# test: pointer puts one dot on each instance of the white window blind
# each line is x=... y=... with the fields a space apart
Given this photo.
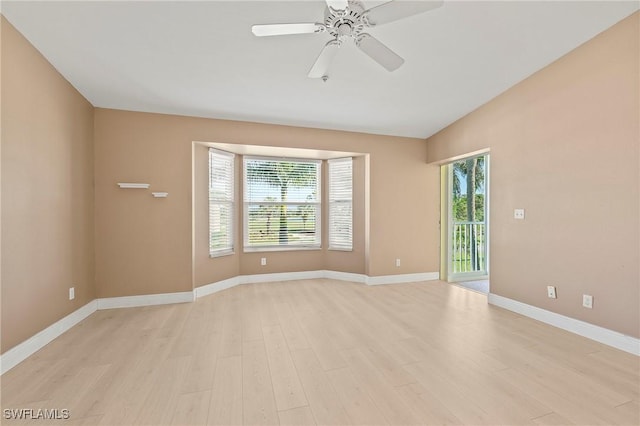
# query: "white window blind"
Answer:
x=221 y=202
x=281 y=203
x=341 y=204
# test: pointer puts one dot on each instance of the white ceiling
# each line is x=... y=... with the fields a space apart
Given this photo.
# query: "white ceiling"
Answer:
x=200 y=58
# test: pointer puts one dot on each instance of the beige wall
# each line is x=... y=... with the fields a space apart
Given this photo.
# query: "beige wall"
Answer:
x=565 y=147
x=144 y=245
x=47 y=192
x=57 y=147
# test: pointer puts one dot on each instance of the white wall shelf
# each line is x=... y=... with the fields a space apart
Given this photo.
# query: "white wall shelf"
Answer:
x=134 y=185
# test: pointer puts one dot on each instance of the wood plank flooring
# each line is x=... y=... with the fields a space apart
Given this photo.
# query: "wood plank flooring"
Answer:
x=325 y=352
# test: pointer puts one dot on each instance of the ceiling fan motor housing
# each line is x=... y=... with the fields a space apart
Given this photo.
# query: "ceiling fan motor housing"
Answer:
x=349 y=22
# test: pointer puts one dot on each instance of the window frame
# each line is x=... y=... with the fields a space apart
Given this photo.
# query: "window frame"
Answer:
x=249 y=248
x=230 y=202
x=331 y=201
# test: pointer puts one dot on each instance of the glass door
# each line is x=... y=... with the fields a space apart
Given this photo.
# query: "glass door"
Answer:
x=467 y=214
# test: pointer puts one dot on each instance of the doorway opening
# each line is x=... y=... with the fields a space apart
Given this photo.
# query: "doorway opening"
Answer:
x=465 y=216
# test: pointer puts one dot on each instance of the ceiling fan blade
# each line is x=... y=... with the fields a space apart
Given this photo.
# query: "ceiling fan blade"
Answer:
x=337 y=4
x=320 y=67
x=395 y=10
x=379 y=52
x=286 y=29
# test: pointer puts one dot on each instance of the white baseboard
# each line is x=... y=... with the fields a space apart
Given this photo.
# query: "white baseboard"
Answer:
x=22 y=351
x=402 y=278
x=345 y=276
x=599 y=334
x=208 y=289
x=145 y=300
x=309 y=275
x=280 y=276
x=211 y=288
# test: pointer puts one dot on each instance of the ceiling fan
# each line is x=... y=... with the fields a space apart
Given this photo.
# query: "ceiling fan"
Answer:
x=348 y=19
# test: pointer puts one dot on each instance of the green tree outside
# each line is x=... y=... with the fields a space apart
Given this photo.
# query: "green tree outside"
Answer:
x=283 y=176
x=470 y=205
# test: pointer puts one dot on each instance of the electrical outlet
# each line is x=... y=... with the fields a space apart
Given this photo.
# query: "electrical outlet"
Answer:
x=551 y=292
x=518 y=214
x=398 y=263
x=263 y=261
x=72 y=293
x=587 y=301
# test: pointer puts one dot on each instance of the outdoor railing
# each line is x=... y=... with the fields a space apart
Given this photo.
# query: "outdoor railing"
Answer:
x=469 y=247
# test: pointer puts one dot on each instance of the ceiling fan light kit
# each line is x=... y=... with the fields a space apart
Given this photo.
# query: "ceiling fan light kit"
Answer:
x=348 y=20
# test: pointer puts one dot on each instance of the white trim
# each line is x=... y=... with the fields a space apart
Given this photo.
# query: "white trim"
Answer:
x=22 y=351
x=281 y=276
x=310 y=275
x=472 y=154
x=403 y=278
x=213 y=156
x=346 y=276
x=217 y=286
x=208 y=289
x=145 y=300
x=248 y=247
x=599 y=334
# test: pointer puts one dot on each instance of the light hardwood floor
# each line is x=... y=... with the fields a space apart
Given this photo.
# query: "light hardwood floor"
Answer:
x=326 y=352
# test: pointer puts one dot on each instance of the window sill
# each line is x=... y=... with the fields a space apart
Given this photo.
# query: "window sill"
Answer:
x=340 y=249
x=273 y=249
x=221 y=254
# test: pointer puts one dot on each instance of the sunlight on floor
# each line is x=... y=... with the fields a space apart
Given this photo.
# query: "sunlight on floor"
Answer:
x=481 y=286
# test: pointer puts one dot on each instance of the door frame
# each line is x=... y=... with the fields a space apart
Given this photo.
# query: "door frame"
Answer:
x=446 y=220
